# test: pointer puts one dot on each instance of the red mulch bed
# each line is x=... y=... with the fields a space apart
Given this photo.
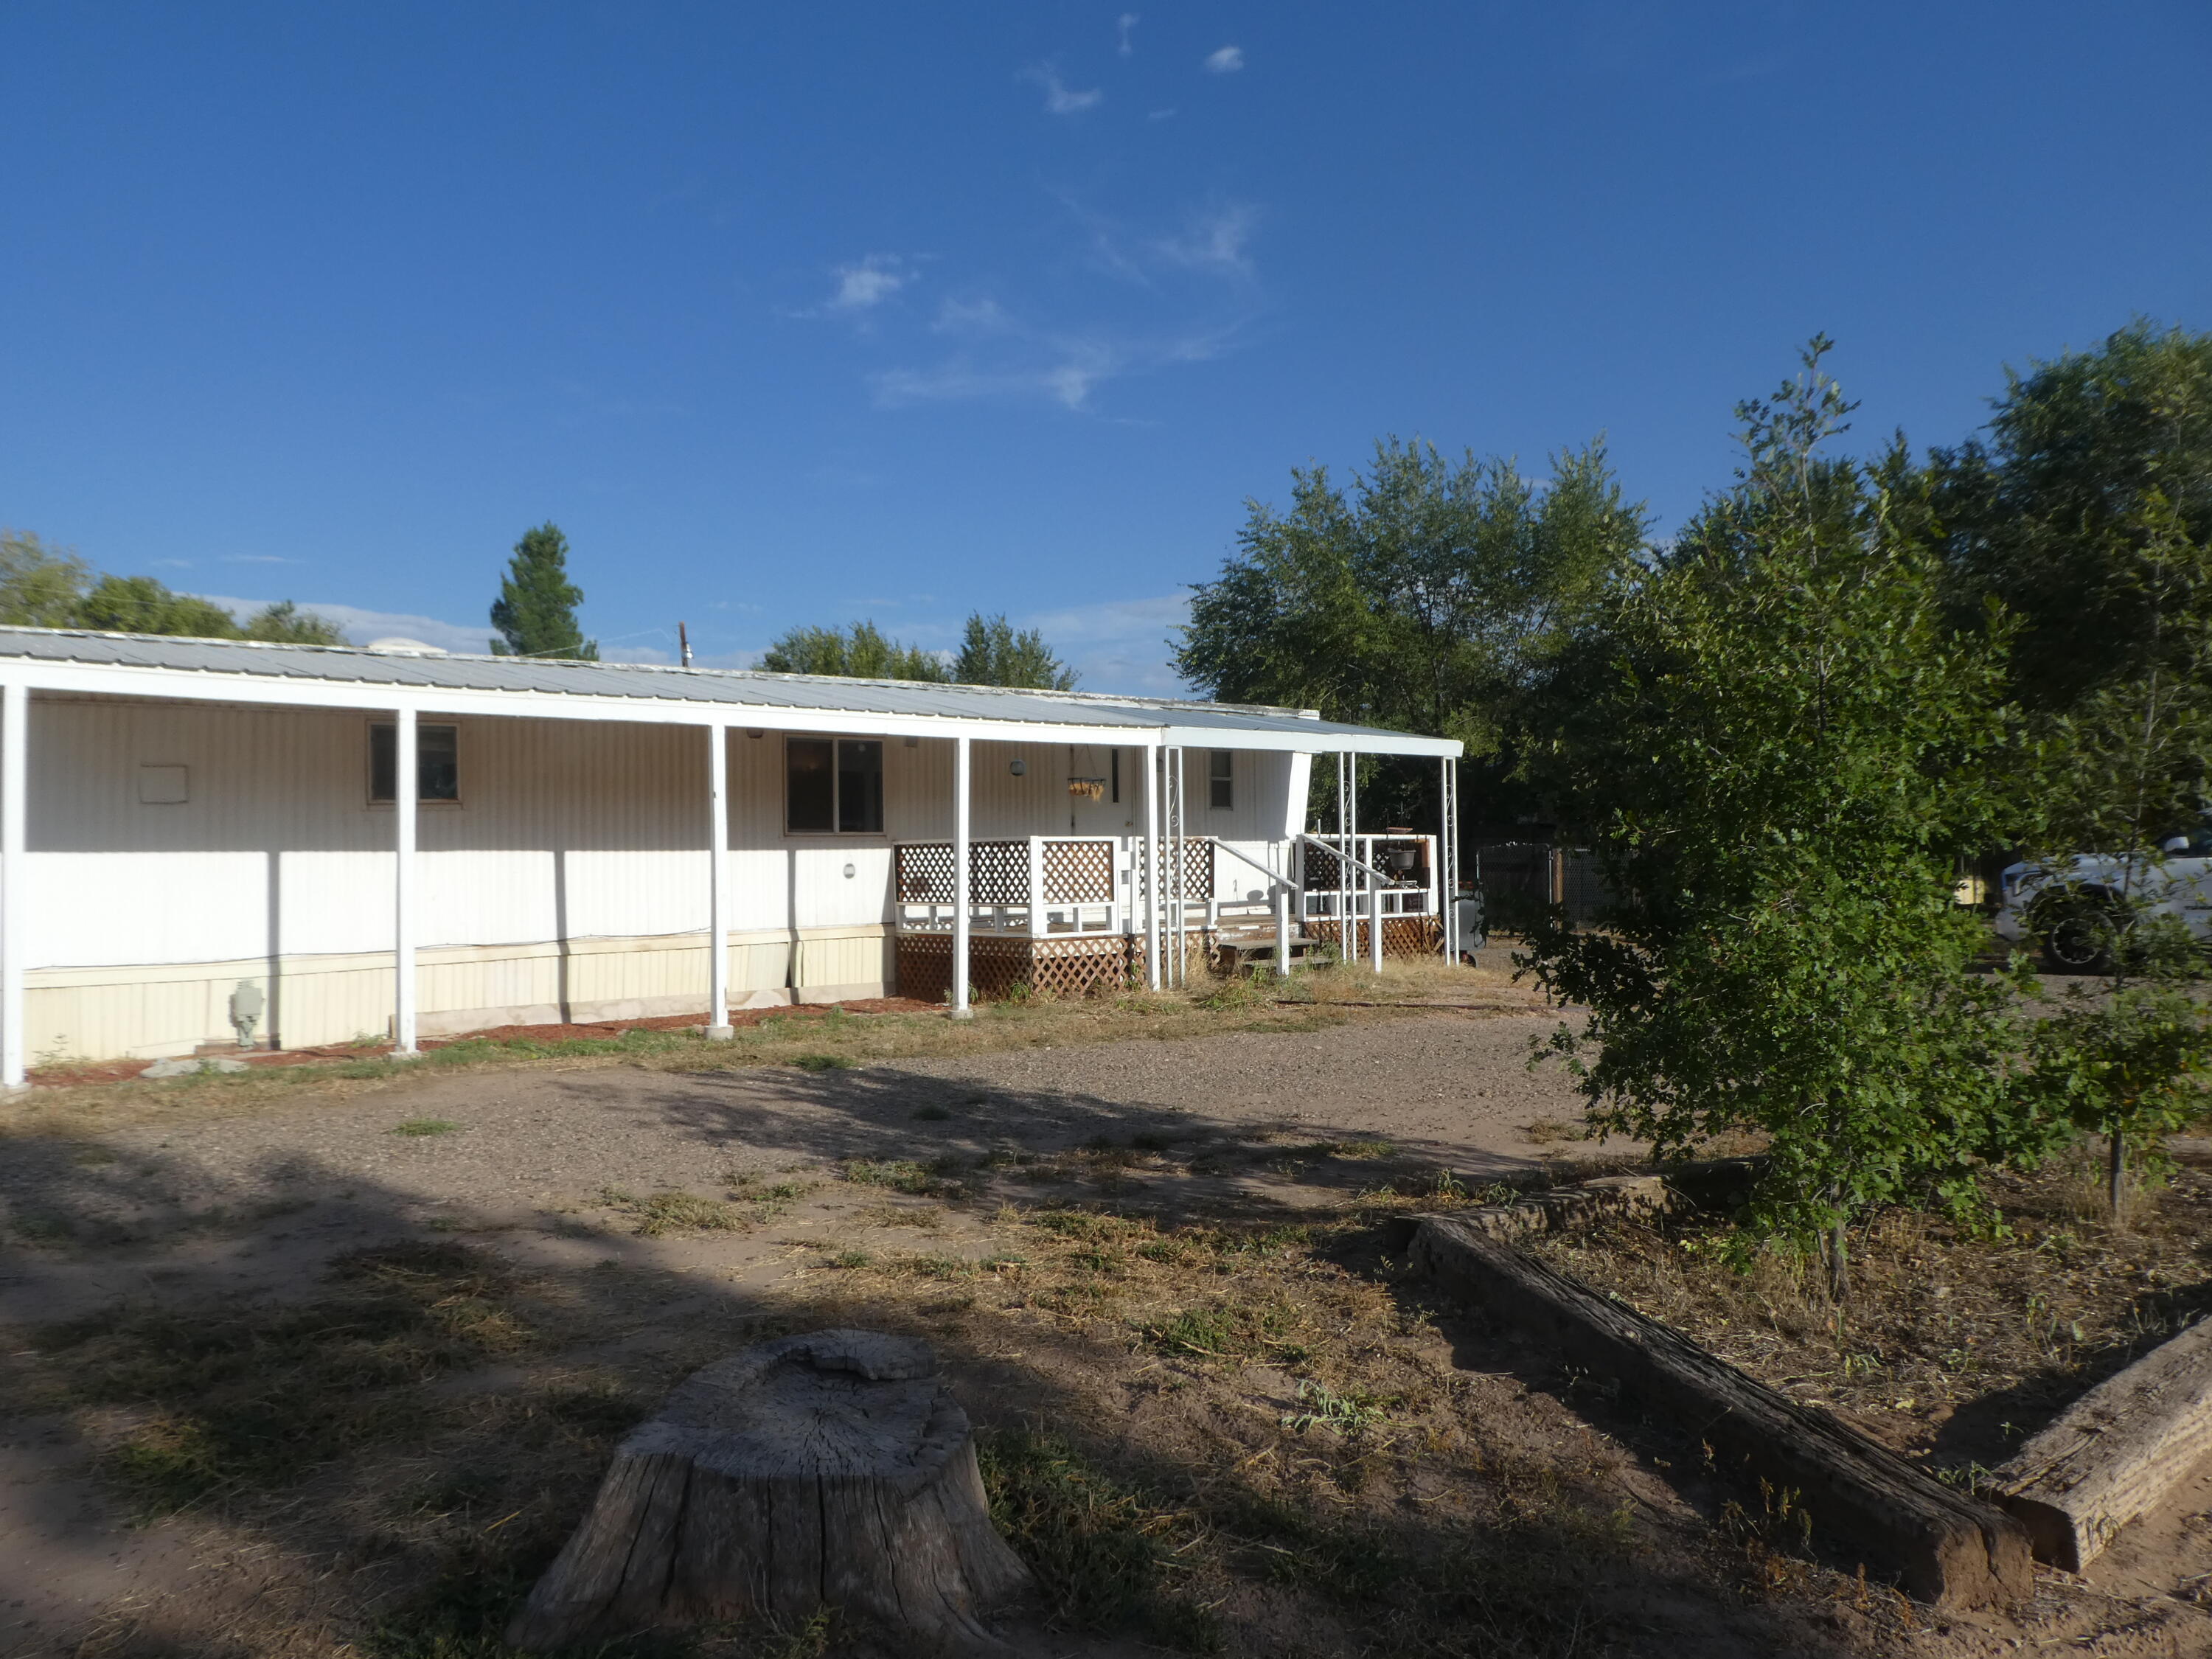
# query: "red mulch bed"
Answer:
x=121 y=1070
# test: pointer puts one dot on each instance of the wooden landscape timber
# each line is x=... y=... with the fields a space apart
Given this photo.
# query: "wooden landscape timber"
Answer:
x=832 y=1469
x=2115 y=1453
x=1865 y=1503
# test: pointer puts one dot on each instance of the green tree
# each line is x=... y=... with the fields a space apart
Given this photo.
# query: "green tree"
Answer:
x=2128 y=1056
x=1429 y=597
x=993 y=654
x=285 y=623
x=1784 y=757
x=861 y=652
x=2048 y=514
x=140 y=605
x=39 y=586
x=536 y=611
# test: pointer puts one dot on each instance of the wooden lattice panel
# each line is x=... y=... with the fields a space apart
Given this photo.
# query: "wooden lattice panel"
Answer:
x=998 y=872
x=1323 y=870
x=1078 y=872
x=924 y=871
x=1049 y=967
x=1402 y=936
x=1189 y=863
x=1079 y=967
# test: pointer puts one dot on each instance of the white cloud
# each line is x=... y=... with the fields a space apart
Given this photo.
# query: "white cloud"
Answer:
x=863 y=287
x=359 y=626
x=984 y=316
x=1214 y=242
x=1126 y=22
x=1118 y=645
x=1059 y=98
x=1226 y=61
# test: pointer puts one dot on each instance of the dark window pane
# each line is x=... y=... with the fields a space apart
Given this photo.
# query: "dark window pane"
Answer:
x=1117 y=776
x=810 y=797
x=437 y=762
x=1221 y=781
x=383 y=761
x=860 y=787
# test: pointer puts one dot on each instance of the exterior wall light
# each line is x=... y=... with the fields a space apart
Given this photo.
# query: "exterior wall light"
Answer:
x=1018 y=767
x=850 y=872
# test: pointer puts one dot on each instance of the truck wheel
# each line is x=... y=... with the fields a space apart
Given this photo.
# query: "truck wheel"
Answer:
x=2078 y=936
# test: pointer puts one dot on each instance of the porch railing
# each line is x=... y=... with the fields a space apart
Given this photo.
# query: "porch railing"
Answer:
x=1042 y=885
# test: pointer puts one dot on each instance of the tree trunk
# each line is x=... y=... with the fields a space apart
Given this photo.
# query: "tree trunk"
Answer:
x=1835 y=1249
x=830 y=1469
x=2115 y=1173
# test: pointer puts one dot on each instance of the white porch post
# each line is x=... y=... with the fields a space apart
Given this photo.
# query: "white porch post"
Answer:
x=1448 y=859
x=718 y=909
x=15 y=728
x=1344 y=923
x=1152 y=867
x=405 y=783
x=960 y=791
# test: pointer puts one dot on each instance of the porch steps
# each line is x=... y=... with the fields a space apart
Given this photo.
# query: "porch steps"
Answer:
x=1243 y=949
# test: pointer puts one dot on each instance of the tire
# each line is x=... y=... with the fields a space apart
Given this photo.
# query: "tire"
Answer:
x=2079 y=932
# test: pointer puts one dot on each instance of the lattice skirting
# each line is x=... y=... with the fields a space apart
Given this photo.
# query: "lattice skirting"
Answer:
x=1402 y=936
x=1049 y=967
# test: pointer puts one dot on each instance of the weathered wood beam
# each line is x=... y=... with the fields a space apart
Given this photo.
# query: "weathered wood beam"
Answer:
x=1943 y=1546
x=2115 y=1453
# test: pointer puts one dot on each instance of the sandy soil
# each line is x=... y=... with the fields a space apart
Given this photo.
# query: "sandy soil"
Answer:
x=531 y=1165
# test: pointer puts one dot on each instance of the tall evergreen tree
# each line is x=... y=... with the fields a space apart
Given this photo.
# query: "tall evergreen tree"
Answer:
x=993 y=654
x=536 y=611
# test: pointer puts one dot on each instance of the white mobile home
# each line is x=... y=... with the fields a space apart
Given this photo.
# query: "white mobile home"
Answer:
x=345 y=843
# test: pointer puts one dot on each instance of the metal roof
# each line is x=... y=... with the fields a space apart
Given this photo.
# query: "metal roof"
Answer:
x=906 y=700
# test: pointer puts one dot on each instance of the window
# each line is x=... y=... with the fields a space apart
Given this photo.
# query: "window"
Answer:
x=1221 y=781
x=437 y=762
x=832 y=786
x=1116 y=770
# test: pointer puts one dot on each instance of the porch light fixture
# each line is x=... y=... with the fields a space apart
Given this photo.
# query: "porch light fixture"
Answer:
x=850 y=872
x=1018 y=767
x=756 y=734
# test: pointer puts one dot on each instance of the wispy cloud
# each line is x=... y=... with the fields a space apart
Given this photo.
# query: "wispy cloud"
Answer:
x=1059 y=98
x=1227 y=60
x=1029 y=364
x=1214 y=240
x=861 y=287
x=1125 y=23
x=362 y=627
x=173 y=564
x=1119 y=645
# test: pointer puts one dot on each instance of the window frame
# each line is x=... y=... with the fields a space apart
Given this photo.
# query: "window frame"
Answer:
x=1221 y=781
x=386 y=804
x=837 y=770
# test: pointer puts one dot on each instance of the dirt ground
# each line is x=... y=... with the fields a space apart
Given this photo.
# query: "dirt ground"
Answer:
x=330 y=1373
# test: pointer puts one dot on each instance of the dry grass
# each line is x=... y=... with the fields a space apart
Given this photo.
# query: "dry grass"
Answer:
x=830 y=1041
x=1953 y=1345
x=1234 y=1437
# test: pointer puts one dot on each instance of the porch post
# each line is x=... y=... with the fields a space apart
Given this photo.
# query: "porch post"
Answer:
x=718 y=852
x=406 y=781
x=1448 y=859
x=1151 y=866
x=15 y=727
x=960 y=789
x=1344 y=926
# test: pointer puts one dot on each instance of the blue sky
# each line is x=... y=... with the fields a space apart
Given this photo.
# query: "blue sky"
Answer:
x=810 y=313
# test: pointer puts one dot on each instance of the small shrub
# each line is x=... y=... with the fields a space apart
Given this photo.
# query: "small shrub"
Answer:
x=425 y=1125
x=672 y=1211
x=822 y=1062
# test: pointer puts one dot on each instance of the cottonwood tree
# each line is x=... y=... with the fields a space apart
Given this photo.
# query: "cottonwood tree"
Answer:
x=861 y=652
x=993 y=654
x=1782 y=753
x=2129 y=1055
x=47 y=587
x=2048 y=514
x=536 y=611
x=1426 y=597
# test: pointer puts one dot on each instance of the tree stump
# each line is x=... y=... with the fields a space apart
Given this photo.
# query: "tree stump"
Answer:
x=831 y=1470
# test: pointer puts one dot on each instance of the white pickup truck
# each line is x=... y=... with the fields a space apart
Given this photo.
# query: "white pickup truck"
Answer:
x=2076 y=911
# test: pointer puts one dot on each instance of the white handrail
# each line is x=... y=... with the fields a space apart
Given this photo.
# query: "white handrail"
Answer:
x=1321 y=842
x=1221 y=846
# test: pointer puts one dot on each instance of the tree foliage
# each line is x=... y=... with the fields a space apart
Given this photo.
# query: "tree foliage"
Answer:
x=861 y=652
x=536 y=611
x=1426 y=597
x=1785 y=753
x=993 y=654
x=2129 y=1057
x=47 y=587
x=2048 y=512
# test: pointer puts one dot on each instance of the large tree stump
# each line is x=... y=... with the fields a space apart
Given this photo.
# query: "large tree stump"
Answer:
x=831 y=1470
x=2116 y=1452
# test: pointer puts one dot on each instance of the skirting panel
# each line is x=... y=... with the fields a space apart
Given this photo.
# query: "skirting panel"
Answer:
x=1084 y=966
